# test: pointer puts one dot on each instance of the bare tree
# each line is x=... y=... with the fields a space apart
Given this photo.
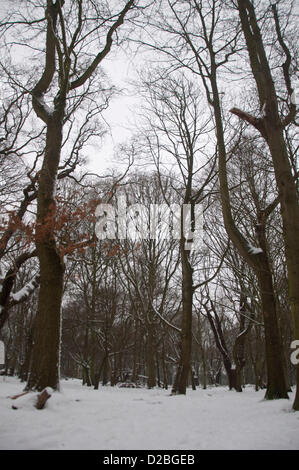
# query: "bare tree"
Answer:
x=65 y=79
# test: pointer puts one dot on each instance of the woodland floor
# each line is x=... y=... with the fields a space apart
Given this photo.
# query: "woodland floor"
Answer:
x=118 y=418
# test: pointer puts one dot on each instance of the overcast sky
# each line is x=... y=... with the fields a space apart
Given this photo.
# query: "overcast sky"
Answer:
x=120 y=114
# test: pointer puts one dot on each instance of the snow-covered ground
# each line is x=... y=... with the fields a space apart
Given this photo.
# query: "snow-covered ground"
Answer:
x=118 y=418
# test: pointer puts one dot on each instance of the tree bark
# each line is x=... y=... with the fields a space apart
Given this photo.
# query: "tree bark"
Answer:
x=44 y=370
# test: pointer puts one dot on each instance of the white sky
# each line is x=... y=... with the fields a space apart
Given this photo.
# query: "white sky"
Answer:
x=119 y=116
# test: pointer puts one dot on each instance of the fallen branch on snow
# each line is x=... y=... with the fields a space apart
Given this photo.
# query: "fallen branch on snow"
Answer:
x=40 y=401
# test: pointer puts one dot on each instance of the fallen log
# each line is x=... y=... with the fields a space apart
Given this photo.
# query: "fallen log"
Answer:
x=42 y=399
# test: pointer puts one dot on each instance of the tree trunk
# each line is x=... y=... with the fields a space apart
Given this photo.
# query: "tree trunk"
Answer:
x=134 y=377
x=203 y=355
x=158 y=372
x=86 y=380
x=105 y=369
x=24 y=371
x=181 y=381
x=289 y=209
x=150 y=358
x=164 y=367
x=44 y=369
x=192 y=379
x=276 y=385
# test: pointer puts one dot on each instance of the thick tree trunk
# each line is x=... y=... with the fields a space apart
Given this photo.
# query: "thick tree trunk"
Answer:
x=44 y=369
x=276 y=385
x=289 y=208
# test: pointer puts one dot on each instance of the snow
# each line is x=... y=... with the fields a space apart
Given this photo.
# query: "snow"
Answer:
x=42 y=103
x=24 y=402
x=254 y=250
x=263 y=111
x=119 y=418
x=17 y=296
x=24 y=292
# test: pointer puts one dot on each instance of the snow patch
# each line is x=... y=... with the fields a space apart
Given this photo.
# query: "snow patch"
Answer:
x=254 y=250
x=128 y=418
x=24 y=292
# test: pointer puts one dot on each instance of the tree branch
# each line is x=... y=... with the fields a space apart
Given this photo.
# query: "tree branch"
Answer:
x=101 y=55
